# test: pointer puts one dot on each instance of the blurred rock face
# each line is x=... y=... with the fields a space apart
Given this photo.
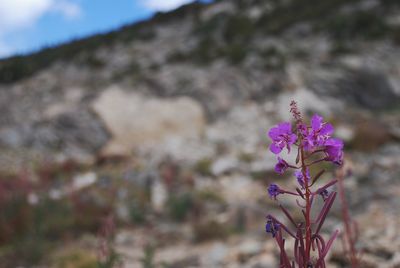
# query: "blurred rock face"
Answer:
x=135 y=120
x=146 y=83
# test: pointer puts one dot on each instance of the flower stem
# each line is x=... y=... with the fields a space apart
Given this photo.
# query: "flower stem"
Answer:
x=347 y=222
x=307 y=195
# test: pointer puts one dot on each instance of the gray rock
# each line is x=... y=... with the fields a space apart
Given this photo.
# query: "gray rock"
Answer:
x=368 y=89
x=159 y=195
x=78 y=135
x=215 y=256
x=83 y=180
x=10 y=137
x=250 y=248
x=224 y=164
x=345 y=133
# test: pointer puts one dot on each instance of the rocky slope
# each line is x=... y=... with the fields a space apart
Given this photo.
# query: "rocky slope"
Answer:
x=222 y=55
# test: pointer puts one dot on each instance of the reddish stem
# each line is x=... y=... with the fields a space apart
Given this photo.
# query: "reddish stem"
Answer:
x=349 y=236
x=307 y=195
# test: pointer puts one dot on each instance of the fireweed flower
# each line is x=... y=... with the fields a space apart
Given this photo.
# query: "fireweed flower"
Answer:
x=316 y=146
x=274 y=190
x=334 y=151
x=281 y=166
x=271 y=227
x=318 y=133
x=300 y=178
x=282 y=136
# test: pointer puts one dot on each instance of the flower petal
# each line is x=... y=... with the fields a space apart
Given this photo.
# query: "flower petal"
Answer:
x=275 y=149
x=334 y=142
x=292 y=139
x=316 y=122
x=285 y=127
x=327 y=129
x=274 y=133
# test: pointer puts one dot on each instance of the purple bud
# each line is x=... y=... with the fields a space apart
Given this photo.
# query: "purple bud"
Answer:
x=272 y=227
x=281 y=166
x=300 y=177
x=324 y=194
x=274 y=191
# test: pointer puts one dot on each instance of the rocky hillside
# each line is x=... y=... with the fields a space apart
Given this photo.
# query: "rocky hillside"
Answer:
x=335 y=55
x=187 y=97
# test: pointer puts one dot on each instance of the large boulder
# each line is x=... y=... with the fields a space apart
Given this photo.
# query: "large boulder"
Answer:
x=136 y=121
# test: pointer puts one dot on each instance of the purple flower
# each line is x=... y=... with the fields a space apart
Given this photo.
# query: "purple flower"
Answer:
x=271 y=227
x=324 y=194
x=300 y=177
x=319 y=133
x=334 y=151
x=322 y=131
x=274 y=191
x=282 y=136
x=281 y=166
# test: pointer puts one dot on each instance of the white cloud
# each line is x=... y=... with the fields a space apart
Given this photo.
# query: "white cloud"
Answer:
x=16 y=15
x=69 y=9
x=164 y=5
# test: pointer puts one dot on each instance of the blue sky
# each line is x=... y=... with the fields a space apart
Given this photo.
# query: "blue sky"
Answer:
x=28 y=25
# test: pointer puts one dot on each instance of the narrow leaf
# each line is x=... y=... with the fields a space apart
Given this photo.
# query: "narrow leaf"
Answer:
x=317 y=177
